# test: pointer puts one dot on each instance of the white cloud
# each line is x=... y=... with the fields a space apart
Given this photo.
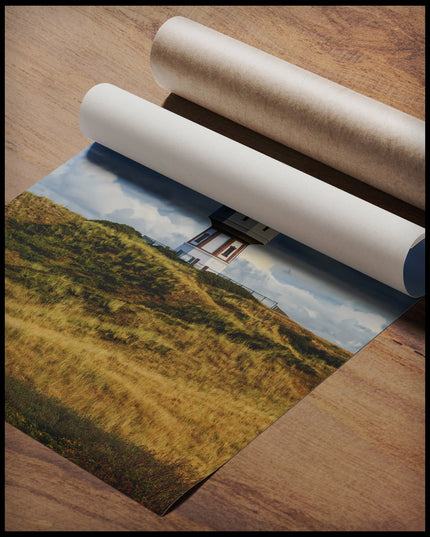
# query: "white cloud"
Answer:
x=338 y=311
x=311 y=313
x=365 y=319
x=350 y=324
x=97 y=193
x=259 y=257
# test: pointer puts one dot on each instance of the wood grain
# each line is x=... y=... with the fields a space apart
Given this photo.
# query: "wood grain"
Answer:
x=350 y=455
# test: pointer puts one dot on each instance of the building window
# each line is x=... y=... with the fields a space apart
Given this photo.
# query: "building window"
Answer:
x=201 y=238
x=229 y=251
x=186 y=257
x=245 y=218
x=216 y=242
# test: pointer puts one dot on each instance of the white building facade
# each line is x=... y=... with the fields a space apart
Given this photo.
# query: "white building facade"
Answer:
x=230 y=233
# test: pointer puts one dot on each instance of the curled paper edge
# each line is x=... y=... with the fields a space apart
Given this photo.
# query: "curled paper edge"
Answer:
x=348 y=229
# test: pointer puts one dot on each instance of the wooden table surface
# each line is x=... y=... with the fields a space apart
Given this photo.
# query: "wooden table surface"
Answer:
x=350 y=455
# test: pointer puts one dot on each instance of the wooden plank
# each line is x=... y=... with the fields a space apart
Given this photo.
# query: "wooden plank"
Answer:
x=350 y=456
x=44 y=491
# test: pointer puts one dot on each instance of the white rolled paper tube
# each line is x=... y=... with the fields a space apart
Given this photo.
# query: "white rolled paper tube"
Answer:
x=335 y=125
x=344 y=227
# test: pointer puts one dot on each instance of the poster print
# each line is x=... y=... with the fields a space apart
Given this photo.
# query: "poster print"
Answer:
x=151 y=333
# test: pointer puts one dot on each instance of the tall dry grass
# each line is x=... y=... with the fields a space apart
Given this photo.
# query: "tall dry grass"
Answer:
x=185 y=367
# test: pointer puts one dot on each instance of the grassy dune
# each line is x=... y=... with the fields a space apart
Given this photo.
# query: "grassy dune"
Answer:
x=178 y=366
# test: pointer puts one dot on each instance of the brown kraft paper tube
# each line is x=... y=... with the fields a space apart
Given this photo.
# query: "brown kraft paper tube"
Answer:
x=355 y=134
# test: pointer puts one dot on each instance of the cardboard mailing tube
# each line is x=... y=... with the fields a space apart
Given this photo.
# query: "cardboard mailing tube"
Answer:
x=324 y=120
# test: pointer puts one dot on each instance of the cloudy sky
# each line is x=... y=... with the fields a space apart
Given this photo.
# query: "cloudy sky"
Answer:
x=332 y=300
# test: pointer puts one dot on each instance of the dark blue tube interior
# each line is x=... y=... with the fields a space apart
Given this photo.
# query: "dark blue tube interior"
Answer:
x=414 y=270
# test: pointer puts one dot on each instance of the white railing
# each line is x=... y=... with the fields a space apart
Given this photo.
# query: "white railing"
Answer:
x=269 y=302
x=259 y=296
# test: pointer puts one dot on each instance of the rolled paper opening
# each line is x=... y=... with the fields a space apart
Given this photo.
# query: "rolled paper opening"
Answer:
x=414 y=270
x=312 y=212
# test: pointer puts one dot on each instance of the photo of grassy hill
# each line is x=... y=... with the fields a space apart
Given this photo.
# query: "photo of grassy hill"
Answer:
x=136 y=366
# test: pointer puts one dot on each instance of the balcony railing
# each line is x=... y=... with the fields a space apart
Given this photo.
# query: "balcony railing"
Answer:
x=269 y=302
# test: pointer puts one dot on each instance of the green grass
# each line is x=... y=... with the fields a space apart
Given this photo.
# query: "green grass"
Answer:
x=117 y=350
x=131 y=469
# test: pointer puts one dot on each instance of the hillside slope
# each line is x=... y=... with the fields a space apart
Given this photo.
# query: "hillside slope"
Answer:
x=154 y=354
